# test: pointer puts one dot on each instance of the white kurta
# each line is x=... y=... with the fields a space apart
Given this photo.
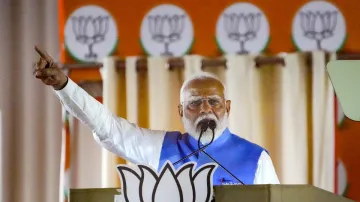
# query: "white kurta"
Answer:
x=127 y=140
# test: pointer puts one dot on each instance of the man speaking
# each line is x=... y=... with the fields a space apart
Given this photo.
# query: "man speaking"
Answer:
x=204 y=111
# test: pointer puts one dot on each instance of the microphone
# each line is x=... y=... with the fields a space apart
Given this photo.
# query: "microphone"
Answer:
x=212 y=125
x=204 y=126
x=226 y=170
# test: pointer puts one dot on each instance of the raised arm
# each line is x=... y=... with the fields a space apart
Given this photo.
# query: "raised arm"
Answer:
x=127 y=140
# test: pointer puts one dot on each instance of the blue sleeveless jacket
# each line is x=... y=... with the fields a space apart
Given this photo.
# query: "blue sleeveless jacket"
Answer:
x=236 y=154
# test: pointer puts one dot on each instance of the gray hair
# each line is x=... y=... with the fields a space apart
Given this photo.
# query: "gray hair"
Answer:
x=200 y=76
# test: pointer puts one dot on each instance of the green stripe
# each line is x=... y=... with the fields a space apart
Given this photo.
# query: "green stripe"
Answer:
x=67 y=122
x=344 y=194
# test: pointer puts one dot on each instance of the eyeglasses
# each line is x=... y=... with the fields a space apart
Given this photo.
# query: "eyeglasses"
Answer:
x=196 y=103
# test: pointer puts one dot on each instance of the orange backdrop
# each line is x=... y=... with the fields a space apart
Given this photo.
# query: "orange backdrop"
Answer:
x=204 y=14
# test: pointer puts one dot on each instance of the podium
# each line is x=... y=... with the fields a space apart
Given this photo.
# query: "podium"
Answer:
x=275 y=193
x=232 y=193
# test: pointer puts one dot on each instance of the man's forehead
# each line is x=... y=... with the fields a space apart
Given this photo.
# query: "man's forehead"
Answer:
x=205 y=83
x=204 y=87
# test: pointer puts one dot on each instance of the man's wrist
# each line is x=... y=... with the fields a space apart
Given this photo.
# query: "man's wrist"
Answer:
x=61 y=86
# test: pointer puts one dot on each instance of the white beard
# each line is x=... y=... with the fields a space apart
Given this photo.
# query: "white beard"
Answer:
x=207 y=135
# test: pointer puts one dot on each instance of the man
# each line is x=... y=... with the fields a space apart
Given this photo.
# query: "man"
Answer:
x=203 y=98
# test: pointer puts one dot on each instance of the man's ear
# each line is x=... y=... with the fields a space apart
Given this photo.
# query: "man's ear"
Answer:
x=228 y=103
x=181 y=111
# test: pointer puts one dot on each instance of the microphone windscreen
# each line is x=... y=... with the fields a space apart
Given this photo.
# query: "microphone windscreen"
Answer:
x=204 y=125
x=212 y=124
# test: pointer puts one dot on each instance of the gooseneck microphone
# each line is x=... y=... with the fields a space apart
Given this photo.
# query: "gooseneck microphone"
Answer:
x=212 y=126
x=204 y=126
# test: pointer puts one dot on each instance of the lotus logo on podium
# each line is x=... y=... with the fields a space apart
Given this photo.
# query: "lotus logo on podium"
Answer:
x=185 y=184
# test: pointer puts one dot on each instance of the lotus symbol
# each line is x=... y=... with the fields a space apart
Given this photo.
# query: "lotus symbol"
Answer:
x=166 y=29
x=242 y=27
x=89 y=31
x=318 y=26
x=183 y=185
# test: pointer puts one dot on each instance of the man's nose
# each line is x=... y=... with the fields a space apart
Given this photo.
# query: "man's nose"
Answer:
x=205 y=107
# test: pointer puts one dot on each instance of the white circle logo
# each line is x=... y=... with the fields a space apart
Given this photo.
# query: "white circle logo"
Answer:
x=319 y=25
x=90 y=34
x=242 y=28
x=167 y=30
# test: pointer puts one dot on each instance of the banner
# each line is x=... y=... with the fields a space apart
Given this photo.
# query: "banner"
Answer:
x=129 y=20
x=128 y=30
x=124 y=29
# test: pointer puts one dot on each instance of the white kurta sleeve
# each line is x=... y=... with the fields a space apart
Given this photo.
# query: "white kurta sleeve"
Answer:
x=265 y=173
x=117 y=135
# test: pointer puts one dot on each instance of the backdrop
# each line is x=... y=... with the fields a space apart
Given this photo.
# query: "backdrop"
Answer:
x=129 y=17
x=287 y=109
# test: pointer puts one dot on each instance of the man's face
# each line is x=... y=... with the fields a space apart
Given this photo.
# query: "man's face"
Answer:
x=204 y=99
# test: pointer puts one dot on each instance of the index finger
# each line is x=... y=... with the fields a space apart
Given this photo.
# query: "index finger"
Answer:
x=43 y=54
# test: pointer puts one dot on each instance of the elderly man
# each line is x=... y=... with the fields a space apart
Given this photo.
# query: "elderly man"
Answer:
x=203 y=98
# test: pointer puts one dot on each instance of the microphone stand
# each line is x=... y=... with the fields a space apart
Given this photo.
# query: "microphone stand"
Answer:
x=213 y=134
x=223 y=168
x=203 y=129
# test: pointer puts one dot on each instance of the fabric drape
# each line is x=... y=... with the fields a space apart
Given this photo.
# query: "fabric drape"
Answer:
x=132 y=99
x=114 y=98
x=164 y=87
x=269 y=107
x=242 y=86
x=323 y=123
x=288 y=110
x=32 y=121
x=294 y=105
x=66 y=158
x=192 y=65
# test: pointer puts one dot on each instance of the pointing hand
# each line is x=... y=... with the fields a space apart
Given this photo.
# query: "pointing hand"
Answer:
x=48 y=71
